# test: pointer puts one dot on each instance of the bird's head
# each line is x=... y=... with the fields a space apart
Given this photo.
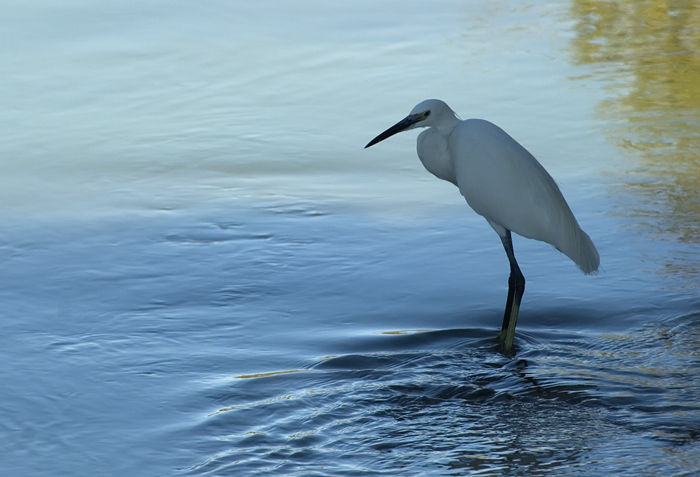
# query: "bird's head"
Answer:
x=430 y=112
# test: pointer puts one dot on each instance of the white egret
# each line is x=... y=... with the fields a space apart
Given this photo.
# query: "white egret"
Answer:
x=502 y=182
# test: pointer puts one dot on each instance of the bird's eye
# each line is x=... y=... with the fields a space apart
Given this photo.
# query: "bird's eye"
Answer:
x=426 y=114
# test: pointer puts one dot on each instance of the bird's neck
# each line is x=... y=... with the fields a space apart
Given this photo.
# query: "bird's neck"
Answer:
x=447 y=124
x=433 y=153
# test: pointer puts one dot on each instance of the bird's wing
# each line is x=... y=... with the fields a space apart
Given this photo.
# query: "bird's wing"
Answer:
x=505 y=184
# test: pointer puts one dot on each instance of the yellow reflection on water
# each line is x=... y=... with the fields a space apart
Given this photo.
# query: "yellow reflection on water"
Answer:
x=271 y=373
x=649 y=54
x=405 y=332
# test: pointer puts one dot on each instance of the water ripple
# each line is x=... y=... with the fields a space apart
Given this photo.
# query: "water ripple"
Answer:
x=464 y=409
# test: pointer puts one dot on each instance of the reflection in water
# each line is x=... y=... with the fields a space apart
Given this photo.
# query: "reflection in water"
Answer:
x=267 y=375
x=464 y=409
x=649 y=52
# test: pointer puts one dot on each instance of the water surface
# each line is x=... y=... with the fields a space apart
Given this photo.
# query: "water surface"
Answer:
x=205 y=273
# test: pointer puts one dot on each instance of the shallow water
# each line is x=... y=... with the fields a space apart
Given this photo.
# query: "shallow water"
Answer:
x=206 y=274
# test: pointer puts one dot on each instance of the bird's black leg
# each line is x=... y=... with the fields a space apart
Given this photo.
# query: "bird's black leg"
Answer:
x=516 y=288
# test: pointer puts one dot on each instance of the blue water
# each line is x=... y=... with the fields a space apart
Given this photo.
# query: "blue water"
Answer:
x=205 y=273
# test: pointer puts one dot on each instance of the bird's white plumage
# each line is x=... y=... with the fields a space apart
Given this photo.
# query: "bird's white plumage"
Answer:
x=504 y=183
x=500 y=180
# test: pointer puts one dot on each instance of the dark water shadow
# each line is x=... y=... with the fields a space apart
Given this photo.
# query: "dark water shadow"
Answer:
x=446 y=402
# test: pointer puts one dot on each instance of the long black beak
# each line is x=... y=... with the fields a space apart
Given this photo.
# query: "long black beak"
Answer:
x=397 y=128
